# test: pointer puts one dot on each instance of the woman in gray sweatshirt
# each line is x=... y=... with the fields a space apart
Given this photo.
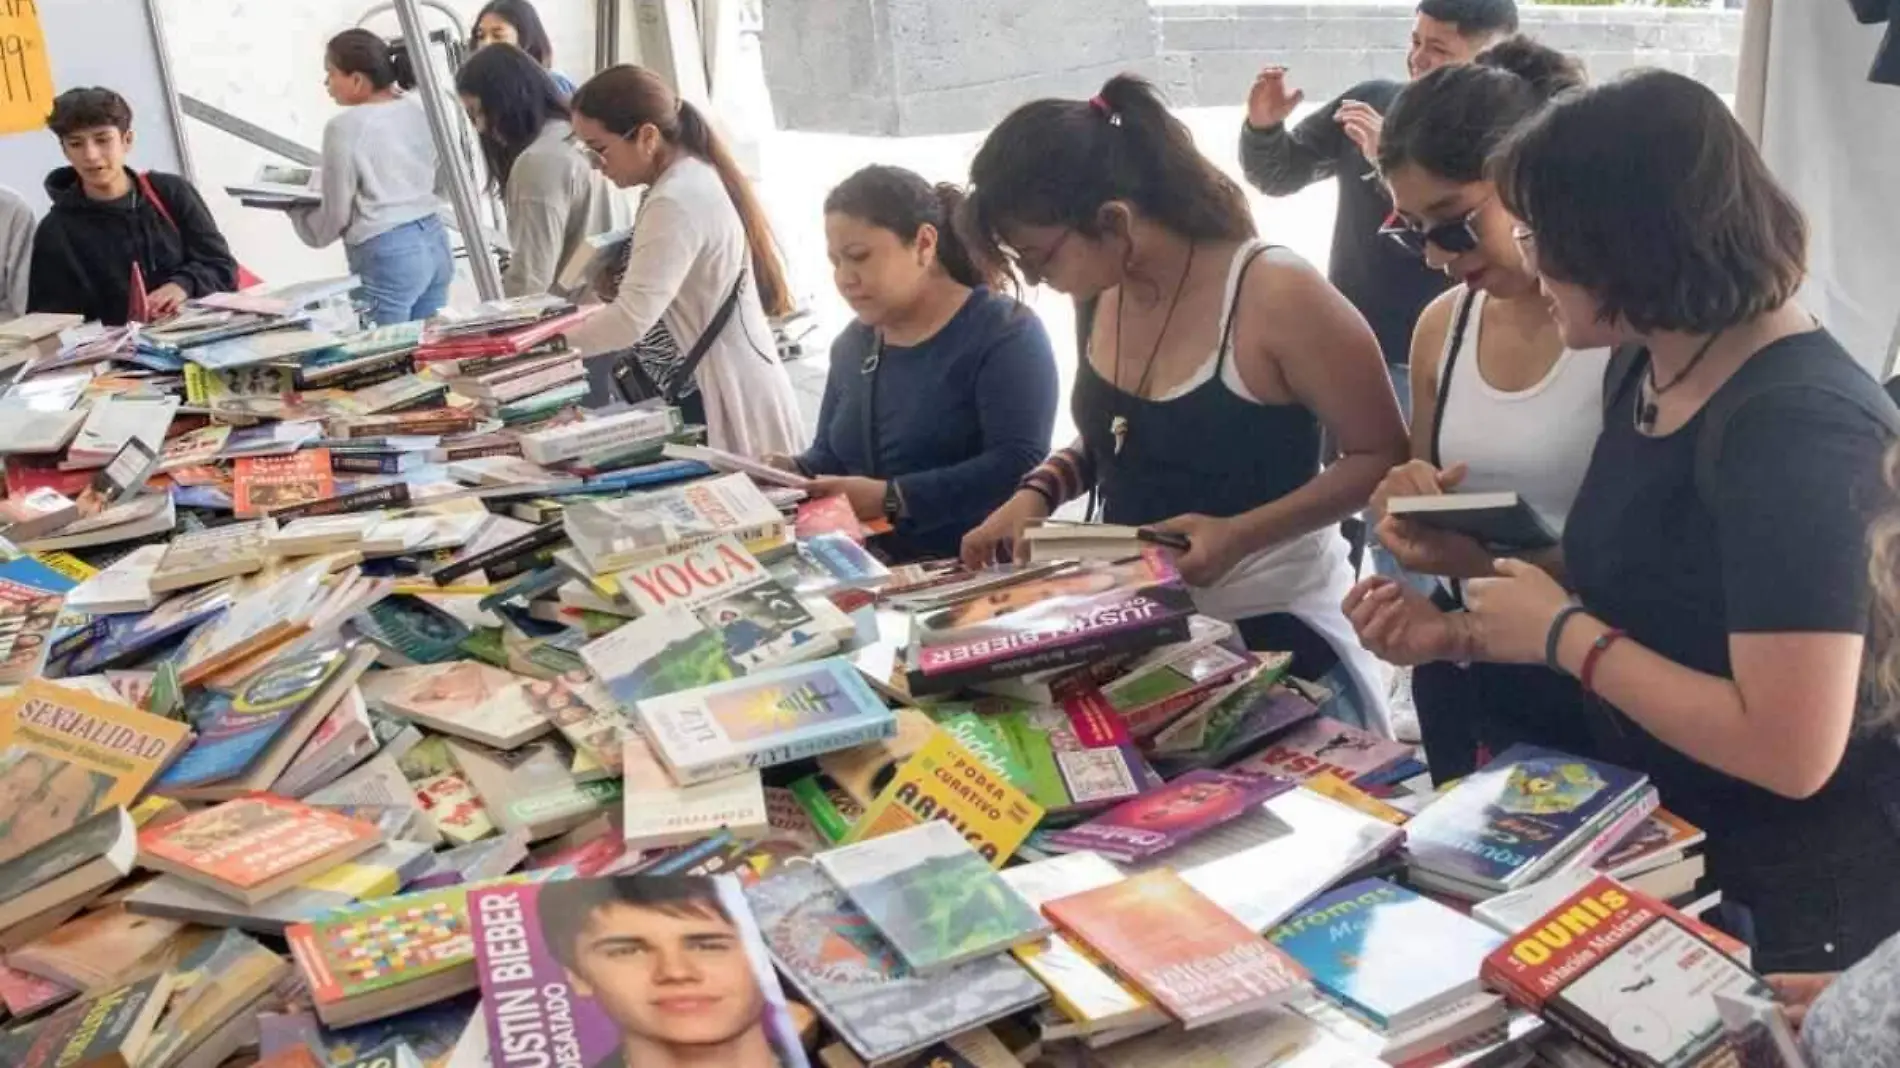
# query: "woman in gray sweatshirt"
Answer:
x=554 y=198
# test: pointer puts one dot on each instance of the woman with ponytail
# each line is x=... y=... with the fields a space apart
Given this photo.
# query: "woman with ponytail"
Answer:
x=379 y=183
x=1211 y=362
x=943 y=393
x=701 y=244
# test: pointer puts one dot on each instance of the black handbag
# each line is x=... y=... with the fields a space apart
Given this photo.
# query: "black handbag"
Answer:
x=635 y=385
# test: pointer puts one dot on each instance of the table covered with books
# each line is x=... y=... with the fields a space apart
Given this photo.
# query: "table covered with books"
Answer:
x=366 y=700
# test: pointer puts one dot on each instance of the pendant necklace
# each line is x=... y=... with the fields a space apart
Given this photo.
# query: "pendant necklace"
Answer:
x=1646 y=407
x=1118 y=426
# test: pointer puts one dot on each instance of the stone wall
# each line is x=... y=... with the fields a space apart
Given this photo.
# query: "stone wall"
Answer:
x=915 y=67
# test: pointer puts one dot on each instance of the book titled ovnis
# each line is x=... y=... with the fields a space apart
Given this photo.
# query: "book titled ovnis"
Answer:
x=254 y=847
x=773 y=717
x=1190 y=955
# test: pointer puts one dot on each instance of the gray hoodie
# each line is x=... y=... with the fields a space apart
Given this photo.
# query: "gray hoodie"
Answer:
x=16 y=253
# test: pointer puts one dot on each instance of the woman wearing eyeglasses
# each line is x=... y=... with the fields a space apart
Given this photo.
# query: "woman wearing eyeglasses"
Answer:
x=702 y=270
x=1210 y=363
x=1498 y=402
x=1718 y=547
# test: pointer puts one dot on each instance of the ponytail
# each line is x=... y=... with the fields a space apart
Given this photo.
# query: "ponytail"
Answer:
x=901 y=201
x=626 y=97
x=384 y=64
x=1056 y=162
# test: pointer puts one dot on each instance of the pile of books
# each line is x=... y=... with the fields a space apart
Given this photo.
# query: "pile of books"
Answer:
x=365 y=700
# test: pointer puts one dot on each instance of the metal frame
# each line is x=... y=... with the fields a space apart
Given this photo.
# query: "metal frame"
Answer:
x=164 y=58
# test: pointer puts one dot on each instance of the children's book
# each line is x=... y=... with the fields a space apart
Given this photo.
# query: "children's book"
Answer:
x=933 y=896
x=769 y=718
x=857 y=981
x=1385 y=953
x=945 y=782
x=547 y=966
x=255 y=847
x=1182 y=950
x=1162 y=819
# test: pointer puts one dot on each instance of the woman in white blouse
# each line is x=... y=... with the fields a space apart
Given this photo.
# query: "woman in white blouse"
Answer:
x=700 y=240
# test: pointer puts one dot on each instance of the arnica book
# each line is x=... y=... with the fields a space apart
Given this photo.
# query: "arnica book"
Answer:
x=532 y=942
x=774 y=717
x=1517 y=817
x=1162 y=819
x=945 y=781
x=1390 y=956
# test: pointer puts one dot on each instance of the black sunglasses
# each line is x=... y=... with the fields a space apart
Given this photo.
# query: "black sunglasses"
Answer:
x=1457 y=237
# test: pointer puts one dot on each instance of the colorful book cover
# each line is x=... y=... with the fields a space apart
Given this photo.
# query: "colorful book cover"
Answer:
x=251 y=841
x=943 y=781
x=1325 y=744
x=859 y=984
x=1326 y=784
x=1151 y=697
x=109 y=1028
x=561 y=969
x=1085 y=990
x=831 y=809
x=1162 y=819
x=24 y=993
x=222 y=976
x=692 y=579
x=383 y=870
x=865 y=770
x=386 y=943
x=933 y=896
x=66 y=755
x=530 y=789
x=1190 y=955
x=236 y=728
x=657 y=655
x=106 y=641
x=1386 y=953
x=444 y=792
x=660 y=813
x=1663 y=832
x=1624 y=974
x=773 y=717
x=1233 y=720
x=622 y=532
x=1070 y=775
x=1517 y=816
x=414 y=628
x=827 y=515
x=846 y=560
x=263 y=484
x=27 y=619
x=989 y=743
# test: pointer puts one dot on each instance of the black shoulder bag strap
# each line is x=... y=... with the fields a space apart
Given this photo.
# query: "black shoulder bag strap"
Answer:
x=635 y=385
x=1453 y=347
x=869 y=369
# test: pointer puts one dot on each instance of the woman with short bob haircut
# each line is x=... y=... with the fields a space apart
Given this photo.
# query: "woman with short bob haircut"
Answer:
x=1718 y=548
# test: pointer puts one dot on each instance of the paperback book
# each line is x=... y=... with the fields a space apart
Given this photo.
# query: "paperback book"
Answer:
x=1089 y=995
x=463 y=698
x=615 y=534
x=93 y=855
x=255 y=847
x=1327 y=745
x=1162 y=819
x=943 y=781
x=660 y=813
x=381 y=871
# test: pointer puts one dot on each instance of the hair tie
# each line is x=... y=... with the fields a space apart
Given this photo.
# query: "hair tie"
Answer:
x=1100 y=103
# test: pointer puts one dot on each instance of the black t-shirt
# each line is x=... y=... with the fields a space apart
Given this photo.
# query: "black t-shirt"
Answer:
x=1780 y=544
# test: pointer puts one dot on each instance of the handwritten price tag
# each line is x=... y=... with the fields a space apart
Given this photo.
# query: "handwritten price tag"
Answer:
x=26 y=76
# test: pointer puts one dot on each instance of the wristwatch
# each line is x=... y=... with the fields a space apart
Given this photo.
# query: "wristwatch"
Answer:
x=893 y=501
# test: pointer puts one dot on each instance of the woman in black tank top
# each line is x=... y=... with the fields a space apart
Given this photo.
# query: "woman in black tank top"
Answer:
x=1200 y=397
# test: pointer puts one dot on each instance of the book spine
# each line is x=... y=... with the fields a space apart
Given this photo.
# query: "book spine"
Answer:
x=1612 y=834
x=831 y=823
x=357 y=377
x=570 y=441
x=394 y=495
x=367 y=463
x=1068 y=650
x=549 y=535
x=1039 y=758
x=841 y=737
x=475 y=452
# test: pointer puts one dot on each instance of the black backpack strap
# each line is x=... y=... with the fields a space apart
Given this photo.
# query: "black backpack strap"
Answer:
x=714 y=328
x=1453 y=346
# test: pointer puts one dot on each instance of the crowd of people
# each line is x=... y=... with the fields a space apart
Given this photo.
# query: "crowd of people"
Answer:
x=1583 y=294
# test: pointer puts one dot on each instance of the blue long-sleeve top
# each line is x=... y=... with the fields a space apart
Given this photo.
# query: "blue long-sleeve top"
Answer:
x=959 y=419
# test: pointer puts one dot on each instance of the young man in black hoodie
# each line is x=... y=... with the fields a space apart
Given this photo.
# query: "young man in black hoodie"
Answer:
x=108 y=219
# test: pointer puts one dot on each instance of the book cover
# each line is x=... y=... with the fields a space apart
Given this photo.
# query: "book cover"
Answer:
x=414 y=629
x=773 y=717
x=24 y=994
x=386 y=943
x=660 y=813
x=1502 y=522
x=625 y=531
x=223 y=976
x=865 y=770
x=263 y=484
x=831 y=515
x=235 y=729
x=378 y=873
x=659 y=654
x=260 y=617
x=96 y=949
x=932 y=896
x=196 y=557
x=1624 y=974
x=943 y=781
x=1083 y=987
x=1386 y=953
x=1153 y=696
x=585 y=714
x=28 y=616
x=559 y=972
x=107 y=641
x=1326 y=784
x=1162 y=819
x=1662 y=836
x=530 y=789
x=1517 y=816
x=444 y=792
x=246 y=845
x=1190 y=955
x=464 y=698
x=857 y=981
x=66 y=755
x=106 y=1030
x=1325 y=744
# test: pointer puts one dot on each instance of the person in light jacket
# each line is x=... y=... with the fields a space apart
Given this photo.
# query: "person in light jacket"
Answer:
x=16 y=253
x=555 y=201
x=700 y=237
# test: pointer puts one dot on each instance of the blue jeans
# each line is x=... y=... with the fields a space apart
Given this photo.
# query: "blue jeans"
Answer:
x=405 y=271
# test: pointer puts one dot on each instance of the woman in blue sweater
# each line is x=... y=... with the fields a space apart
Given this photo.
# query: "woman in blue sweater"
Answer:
x=942 y=395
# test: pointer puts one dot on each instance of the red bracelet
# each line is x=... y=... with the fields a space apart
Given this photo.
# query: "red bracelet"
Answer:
x=1597 y=649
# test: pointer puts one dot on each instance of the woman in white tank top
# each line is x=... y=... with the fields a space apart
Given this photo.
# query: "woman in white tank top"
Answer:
x=1498 y=403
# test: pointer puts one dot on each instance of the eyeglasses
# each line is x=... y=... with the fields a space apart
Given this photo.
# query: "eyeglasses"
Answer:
x=1034 y=270
x=1457 y=237
x=594 y=155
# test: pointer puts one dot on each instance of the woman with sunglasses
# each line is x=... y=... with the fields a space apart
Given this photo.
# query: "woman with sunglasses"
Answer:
x=1210 y=363
x=702 y=264
x=554 y=200
x=1718 y=547
x=1498 y=401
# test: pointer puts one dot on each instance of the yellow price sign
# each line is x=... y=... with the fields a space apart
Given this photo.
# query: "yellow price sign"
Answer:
x=26 y=75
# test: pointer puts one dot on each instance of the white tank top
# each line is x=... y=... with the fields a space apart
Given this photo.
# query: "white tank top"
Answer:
x=1535 y=442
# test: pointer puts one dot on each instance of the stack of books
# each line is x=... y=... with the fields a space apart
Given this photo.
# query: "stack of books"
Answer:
x=365 y=699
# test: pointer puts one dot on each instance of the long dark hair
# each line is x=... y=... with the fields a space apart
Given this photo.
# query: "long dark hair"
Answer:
x=901 y=201
x=1056 y=162
x=626 y=97
x=1449 y=121
x=360 y=51
x=518 y=100
x=530 y=35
